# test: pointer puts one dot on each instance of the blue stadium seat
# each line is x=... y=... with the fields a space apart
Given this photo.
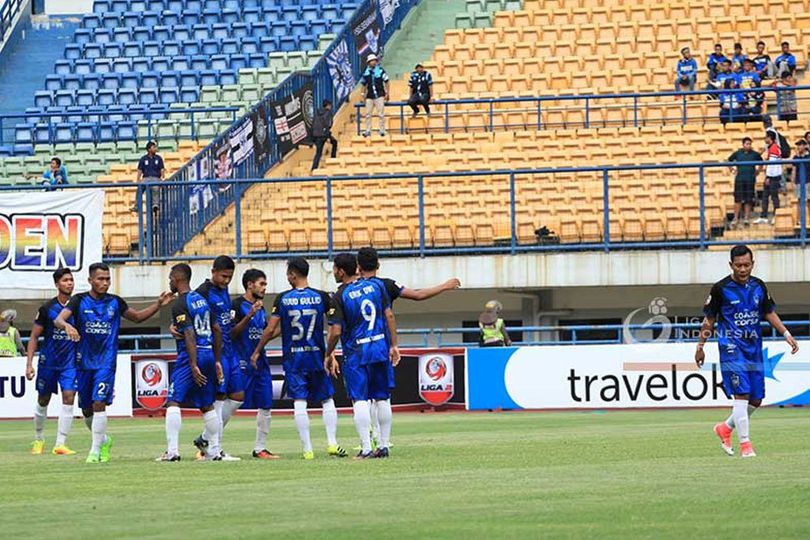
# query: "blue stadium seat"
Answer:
x=148 y=96
x=93 y=50
x=289 y=44
x=102 y=35
x=91 y=81
x=163 y=33
x=74 y=114
x=102 y=6
x=250 y=45
x=220 y=30
x=122 y=65
x=227 y=76
x=23 y=133
x=107 y=131
x=119 y=5
x=240 y=30
x=6 y=151
x=279 y=29
x=290 y=13
x=308 y=43
x=299 y=28
x=42 y=134
x=193 y=5
x=175 y=5
x=113 y=50
x=140 y=5
x=133 y=49
x=122 y=35
x=86 y=132
x=209 y=46
x=113 y=109
x=189 y=94
x=131 y=80
x=95 y=113
x=85 y=98
x=230 y=46
x=169 y=18
x=201 y=31
x=190 y=18
x=132 y=18
x=189 y=78
x=239 y=61
x=150 y=79
x=219 y=62
x=191 y=47
x=91 y=20
x=161 y=63
x=63 y=67
x=211 y=16
x=43 y=99
x=173 y=48
x=61 y=98
x=209 y=77
x=142 y=33
x=169 y=95
x=152 y=48
x=180 y=32
x=54 y=82
x=231 y=4
x=330 y=11
x=268 y=44
x=73 y=51
x=140 y=65
x=103 y=65
x=257 y=60
x=230 y=16
x=310 y=13
x=127 y=96
x=34 y=110
x=73 y=82
x=82 y=36
x=109 y=20
x=251 y=14
x=317 y=28
x=180 y=63
x=127 y=131
x=252 y=3
x=199 y=62
x=63 y=133
x=170 y=79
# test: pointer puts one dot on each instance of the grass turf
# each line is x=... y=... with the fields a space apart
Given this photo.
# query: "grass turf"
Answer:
x=520 y=475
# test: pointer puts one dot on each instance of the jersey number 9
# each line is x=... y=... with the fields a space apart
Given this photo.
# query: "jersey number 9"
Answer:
x=369 y=312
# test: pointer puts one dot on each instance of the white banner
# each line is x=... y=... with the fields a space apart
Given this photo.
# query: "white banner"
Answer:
x=621 y=376
x=18 y=395
x=43 y=231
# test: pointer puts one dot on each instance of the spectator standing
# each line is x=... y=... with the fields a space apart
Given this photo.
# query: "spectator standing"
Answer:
x=322 y=132
x=151 y=169
x=716 y=59
x=801 y=169
x=738 y=58
x=492 y=328
x=762 y=62
x=744 y=182
x=786 y=107
x=773 y=176
x=10 y=339
x=56 y=175
x=420 y=84
x=785 y=62
x=375 y=82
x=686 y=71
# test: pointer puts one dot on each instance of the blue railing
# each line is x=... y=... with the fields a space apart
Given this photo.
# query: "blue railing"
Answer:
x=8 y=10
x=556 y=335
x=584 y=111
x=112 y=120
x=177 y=227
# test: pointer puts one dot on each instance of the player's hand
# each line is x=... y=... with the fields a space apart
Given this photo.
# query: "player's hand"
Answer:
x=175 y=334
x=165 y=298
x=220 y=374
x=199 y=378
x=393 y=355
x=451 y=284
x=29 y=372
x=794 y=345
x=257 y=305
x=700 y=357
x=71 y=332
x=254 y=358
x=331 y=365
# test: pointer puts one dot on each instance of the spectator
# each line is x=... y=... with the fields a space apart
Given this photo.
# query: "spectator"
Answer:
x=716 y=59
x=738 y=58
x=56 y=175
x=322 y=132
x=151 y=169
x=801 y=169
x=773 y=176
x=731 y=103
x=749 y=79
x=744 y=182
x=492 y=327
x=762 y=62
x=807 y=137
x=10 y=339
x=786 y=106
x=686 y=72
x=785 y=62
x=420 y=84
x=375 y=82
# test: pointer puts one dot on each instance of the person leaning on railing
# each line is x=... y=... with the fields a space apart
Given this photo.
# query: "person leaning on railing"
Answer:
x=492 y=327
x=151 y=169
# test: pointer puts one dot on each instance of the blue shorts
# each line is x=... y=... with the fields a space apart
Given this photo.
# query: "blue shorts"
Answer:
x=49 y=378
x=313 y=386
x=233 y=381
x=258 y=389
x=183 y=388
x=95 y=385
x=741 y=376
x=369 y=381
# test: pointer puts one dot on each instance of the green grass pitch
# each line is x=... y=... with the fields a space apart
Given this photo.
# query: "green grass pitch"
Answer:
x=650 y=474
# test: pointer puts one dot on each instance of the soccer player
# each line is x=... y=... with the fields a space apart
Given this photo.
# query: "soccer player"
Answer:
x=57 y=366
x=250 y=322
x=198 y=369
x=362 y=319
x=299 y=316
x=97 y=319
x=738 y=303
x=231 y=392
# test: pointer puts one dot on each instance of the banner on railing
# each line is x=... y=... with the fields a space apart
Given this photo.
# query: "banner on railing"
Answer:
x=261 y=135
x=387 y=10
x=201 y=194
x=292 y=117
x=241 y=141
x=18 y=395
x=340 y=69
x=620 y=376
x=366 y=33
x=40 y=232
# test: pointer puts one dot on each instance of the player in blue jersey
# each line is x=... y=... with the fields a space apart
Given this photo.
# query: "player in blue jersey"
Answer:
x=737 y=304
x=56 y=367
x=96 y=323
x=198 y=371
x=231 y=392
x=299 y=316
x=250 y=322
x=361 y=318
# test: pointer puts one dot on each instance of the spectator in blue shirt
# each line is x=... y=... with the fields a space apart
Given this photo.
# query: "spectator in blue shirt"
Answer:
x=716 y=59
x=420 y=84
x=785 y=62
x=686 y=71
x=749 y=79
x=151 y=169
x=56 y=175
x=762 y=62
x=731 y=103
x=801 y=169
x=738 y=58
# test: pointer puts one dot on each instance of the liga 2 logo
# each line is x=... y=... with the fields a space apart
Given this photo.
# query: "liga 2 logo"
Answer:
x=151 y=383
x=436 y=378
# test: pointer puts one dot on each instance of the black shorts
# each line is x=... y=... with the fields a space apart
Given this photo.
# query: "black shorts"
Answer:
x=744 y=191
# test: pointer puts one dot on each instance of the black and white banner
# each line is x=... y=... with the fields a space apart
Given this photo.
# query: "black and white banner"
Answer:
x=387 y=10
x=241 y=141
x=366 y=32
x=261 y=138
x=340 y=68
x=292 y=118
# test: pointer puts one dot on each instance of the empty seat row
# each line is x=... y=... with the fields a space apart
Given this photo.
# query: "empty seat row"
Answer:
x=210 y=70
x=107 y=6
x=145 y=79
x=95 y=132
x=119 y=96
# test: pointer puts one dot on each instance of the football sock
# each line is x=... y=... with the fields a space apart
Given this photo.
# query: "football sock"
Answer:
x=375 y=422
x=740 y=413
x=88 y=421
x=302 y=423
x=385 y=417
x=362 y=422
x=730 y=419
x=263 y=428
x=229 y=407
x=330 y=421
x=218 y=404
x=64 y=423
x=213 y=431
x=174 y=421
x=40 y=413
x=99 y=431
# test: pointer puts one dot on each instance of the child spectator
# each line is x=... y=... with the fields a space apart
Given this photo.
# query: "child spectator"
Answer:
x=686 y=71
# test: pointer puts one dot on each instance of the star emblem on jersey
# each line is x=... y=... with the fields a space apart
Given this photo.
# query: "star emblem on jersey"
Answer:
x=769 y=363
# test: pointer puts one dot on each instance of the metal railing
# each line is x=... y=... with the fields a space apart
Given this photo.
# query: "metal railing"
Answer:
x=8 y=10
x=588 y=110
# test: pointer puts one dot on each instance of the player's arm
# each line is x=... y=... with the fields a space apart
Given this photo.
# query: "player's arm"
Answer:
x=140 y=315
x=191 y=350
x=36 y=331
x=271 y=332
x=391 y=323
x=243 y=322
x=706 y=330
x=332 y=337
x=61 y=321
x=775 y=321
x=217 y=333
x=430 y=292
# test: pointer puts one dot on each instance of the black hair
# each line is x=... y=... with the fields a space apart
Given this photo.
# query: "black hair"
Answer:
x=367 y=259
x=770 y=134
x=760 y=43
x=785 y=43
x=741 y=250
x=806 y=134
x=183 y=270
x=326 y=103
x=60 y=273
x=223 y=262
x=747 y=139
x=801 y=142
x=298 y=265
x=786 y=75
x=150 y=144
x=252 y=275
x=718 y=45
x=57 y=160
x=738 y=46
x=684 y=49
x=346 y=262
x=97 y=266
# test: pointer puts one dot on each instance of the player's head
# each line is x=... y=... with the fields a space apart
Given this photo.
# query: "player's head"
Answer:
x=742 y=262
x=344 y=267
x=255 y=282
x=63 y=279
x=746 y=143
x=368 y=260
x=297 y=271
x=222 y=271
x=99 y=278
x=180 y=277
